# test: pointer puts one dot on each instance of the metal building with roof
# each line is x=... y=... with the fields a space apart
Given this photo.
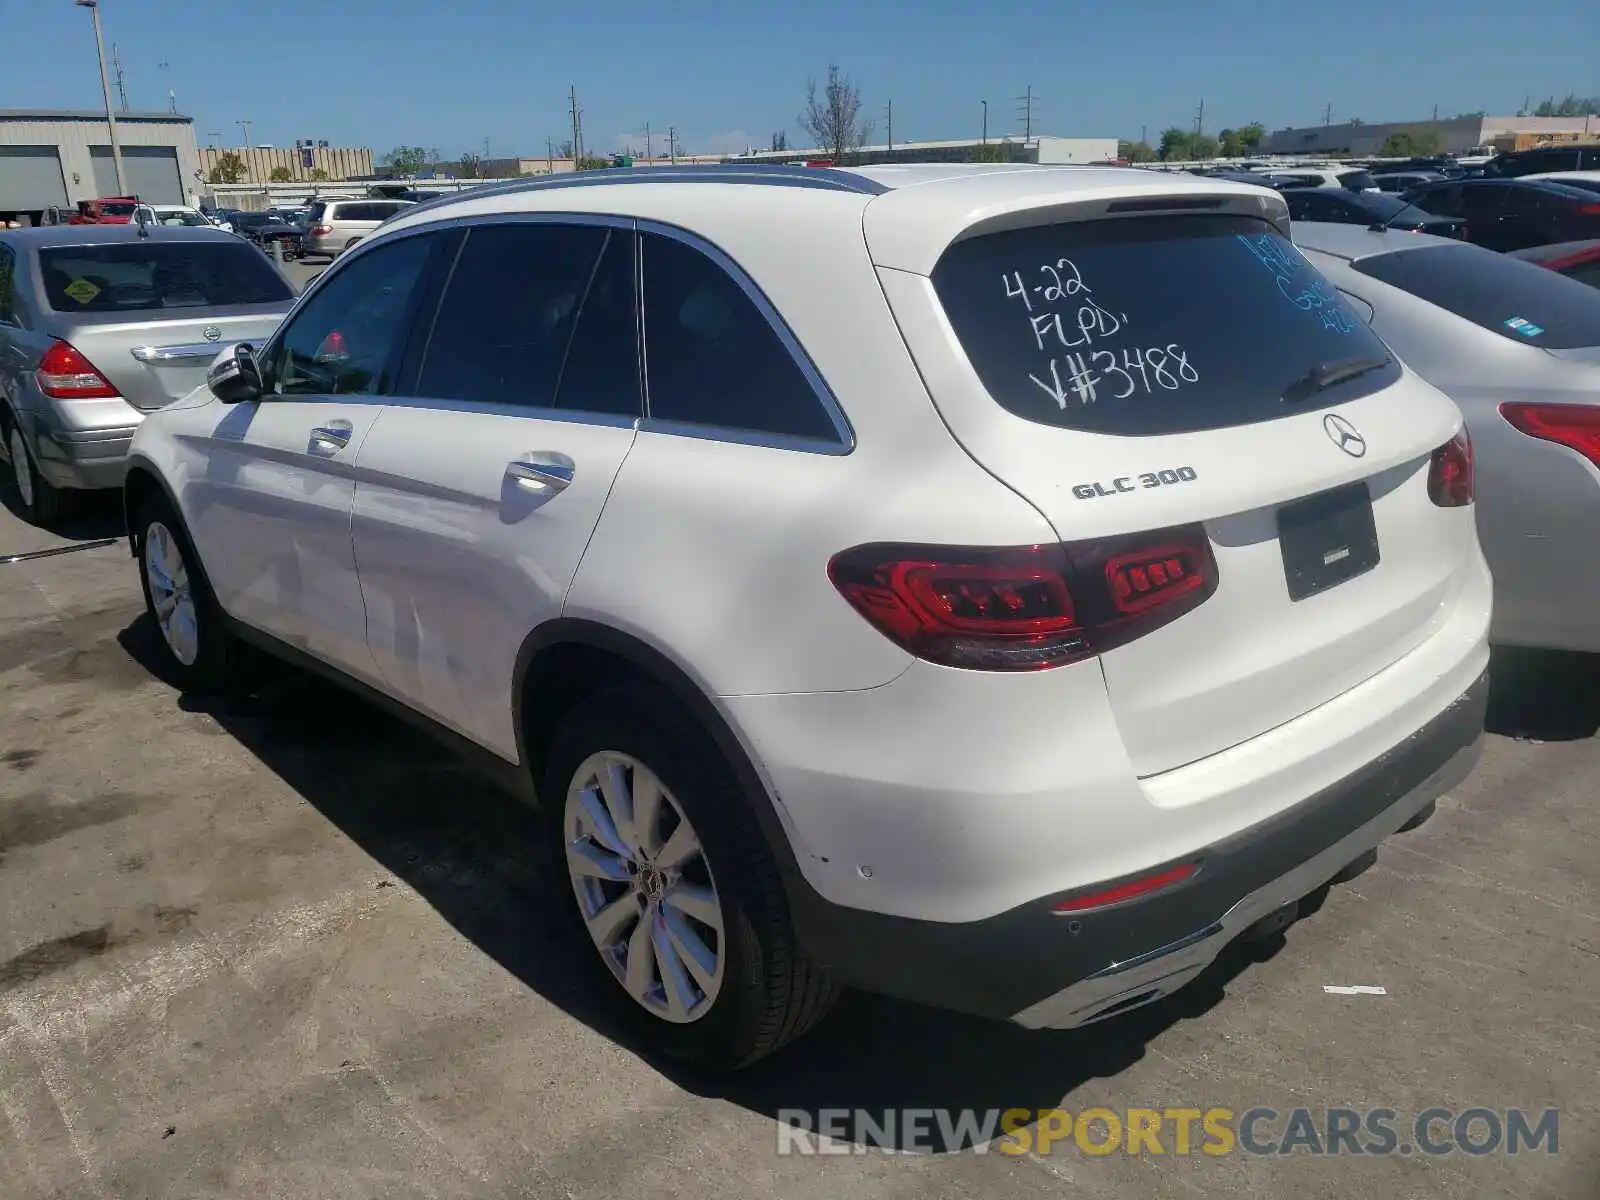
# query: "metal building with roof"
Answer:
x=54 y=158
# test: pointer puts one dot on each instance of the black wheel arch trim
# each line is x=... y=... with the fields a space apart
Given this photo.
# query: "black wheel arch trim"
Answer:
x=138 y=462
x=660 y=669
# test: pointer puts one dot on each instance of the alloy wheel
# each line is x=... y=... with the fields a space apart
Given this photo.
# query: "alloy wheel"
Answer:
x=171 y=597
x=644 y=887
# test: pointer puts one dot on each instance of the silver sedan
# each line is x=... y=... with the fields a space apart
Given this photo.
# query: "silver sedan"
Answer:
x=100 y=324
x=1518 y=349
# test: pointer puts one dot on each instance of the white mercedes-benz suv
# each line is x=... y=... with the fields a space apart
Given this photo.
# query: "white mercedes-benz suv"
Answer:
x=997 y=587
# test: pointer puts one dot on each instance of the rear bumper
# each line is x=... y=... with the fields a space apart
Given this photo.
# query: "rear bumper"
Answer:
x=83 y=460
x=1046 y=970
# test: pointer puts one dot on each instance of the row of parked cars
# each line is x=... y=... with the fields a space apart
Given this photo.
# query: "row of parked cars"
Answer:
x=1001 y=591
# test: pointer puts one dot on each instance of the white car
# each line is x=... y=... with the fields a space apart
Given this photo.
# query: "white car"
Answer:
x=1589 y=181
x=1354 y=179
x=173 y=214
x=1001 y=590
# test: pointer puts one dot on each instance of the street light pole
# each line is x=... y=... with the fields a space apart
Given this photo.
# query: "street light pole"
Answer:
x=105 y=87
x=985 y=104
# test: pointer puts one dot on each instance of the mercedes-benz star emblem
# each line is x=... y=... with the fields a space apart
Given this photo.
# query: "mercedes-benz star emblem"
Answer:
x=211 y=333
x=1343 y=435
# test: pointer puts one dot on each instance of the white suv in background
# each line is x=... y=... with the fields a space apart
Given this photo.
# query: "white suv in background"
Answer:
x=333 y=226
x=1001 y=590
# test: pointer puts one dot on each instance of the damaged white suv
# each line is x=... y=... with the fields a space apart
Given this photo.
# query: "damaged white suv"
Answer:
x=992 y=586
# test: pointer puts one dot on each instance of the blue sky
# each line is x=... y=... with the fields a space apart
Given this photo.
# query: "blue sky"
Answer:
x=725 y=74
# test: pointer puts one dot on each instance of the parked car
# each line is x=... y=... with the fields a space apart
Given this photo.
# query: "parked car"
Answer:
x=178 y=214
x=880 y=605
x=1588 y=181
x=1367 y=208
x=1571 y=156
x=333 y=226
x=1400 y=181
x=1518 y=349
x=1354 y=179
x=266 y=227
x=99 y=328
x=1576 y=260
x=108 y=210
x=1512 y=214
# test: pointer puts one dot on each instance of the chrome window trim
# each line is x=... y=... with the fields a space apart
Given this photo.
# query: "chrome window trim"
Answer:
x=846 y=442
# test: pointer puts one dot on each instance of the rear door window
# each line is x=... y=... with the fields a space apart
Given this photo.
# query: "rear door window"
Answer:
x=138 y=275
x=1150 y=325
x=1356 y=181
x=1518 y=300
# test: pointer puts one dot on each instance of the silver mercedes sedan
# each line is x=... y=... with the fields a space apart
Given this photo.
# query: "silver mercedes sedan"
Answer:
x=100 y=324
x=1518 y=349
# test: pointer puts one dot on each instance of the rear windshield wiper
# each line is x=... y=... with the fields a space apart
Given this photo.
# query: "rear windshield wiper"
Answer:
x=1324 y=375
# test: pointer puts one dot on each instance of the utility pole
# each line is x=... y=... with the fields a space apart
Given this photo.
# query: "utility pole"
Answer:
x=116 y=69
x=1144 y=132
x=245 y=125
x=672 y=143
x=550 y=154
x=1026 y=100
x=577 y=128
x=1435 y=112
x=105 y=87
x=647 y=154
x=1200 y=117
x=890 y=118
x=985 y=104
x=1327 y=115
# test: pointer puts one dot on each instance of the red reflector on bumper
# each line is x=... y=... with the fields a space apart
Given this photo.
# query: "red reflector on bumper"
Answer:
x=1128 y=890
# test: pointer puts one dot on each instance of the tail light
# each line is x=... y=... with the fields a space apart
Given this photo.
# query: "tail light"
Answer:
x=1576 y=426
x=1026 y=608
x=1589 y=210
x=321 y=230
x=1450 y=472
x=65 y=374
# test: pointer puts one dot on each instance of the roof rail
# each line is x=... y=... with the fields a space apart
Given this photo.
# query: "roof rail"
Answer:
x=830 y=179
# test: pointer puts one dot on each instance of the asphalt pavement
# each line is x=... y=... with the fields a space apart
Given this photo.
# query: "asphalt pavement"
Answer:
x=279 y=947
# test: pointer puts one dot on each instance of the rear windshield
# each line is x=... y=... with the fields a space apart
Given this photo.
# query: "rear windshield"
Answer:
x=121 y=209
x=1357 y=181
x=1149 y=325
x=1516 y=299
x=143 y=275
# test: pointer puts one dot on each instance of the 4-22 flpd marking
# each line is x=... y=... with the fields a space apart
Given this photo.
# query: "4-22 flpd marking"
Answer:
x=1133 y=483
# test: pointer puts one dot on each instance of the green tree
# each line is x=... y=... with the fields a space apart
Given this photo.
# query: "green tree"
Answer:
x=1203 y=146
x=1411 y=143
x=1355 y=122
x=406 y=160
x=1569 y=105
x=319 y=175
x=1176 y=144
x=1230 y=143
x=471 y=165
x=1139 y=152
x=989 y=152
x=1251 y=136
x=591 y=162
x=280 y=175
x=229 y=168
x=834 y=118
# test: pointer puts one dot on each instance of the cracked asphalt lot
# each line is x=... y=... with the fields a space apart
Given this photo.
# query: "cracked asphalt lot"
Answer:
x=280 y=947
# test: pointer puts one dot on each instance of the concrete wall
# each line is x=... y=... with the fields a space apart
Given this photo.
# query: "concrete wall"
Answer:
x=340 y=162
x=73 y=135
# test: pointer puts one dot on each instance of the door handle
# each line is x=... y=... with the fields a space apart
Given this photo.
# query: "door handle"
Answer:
x=547 y=472
x=335 y=433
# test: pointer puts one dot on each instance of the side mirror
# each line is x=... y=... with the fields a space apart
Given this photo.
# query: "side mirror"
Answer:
x=236 y=377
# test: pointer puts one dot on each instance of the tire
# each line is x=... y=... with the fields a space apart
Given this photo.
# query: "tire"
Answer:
x=765 y=991
x=42 y=503
x=207 y=659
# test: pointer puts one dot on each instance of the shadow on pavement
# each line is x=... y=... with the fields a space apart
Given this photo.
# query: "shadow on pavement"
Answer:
x=1544 y=695
x=92 y=515
x=477 y=858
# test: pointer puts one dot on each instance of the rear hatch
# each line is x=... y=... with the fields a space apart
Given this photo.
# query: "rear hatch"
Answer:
x=151 y=314
x=1153 y=361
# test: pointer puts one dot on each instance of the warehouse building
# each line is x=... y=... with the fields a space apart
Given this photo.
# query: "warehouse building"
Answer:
x=305 y=162
x=1040 y=149
x=54 y=158
x=1455 y=135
